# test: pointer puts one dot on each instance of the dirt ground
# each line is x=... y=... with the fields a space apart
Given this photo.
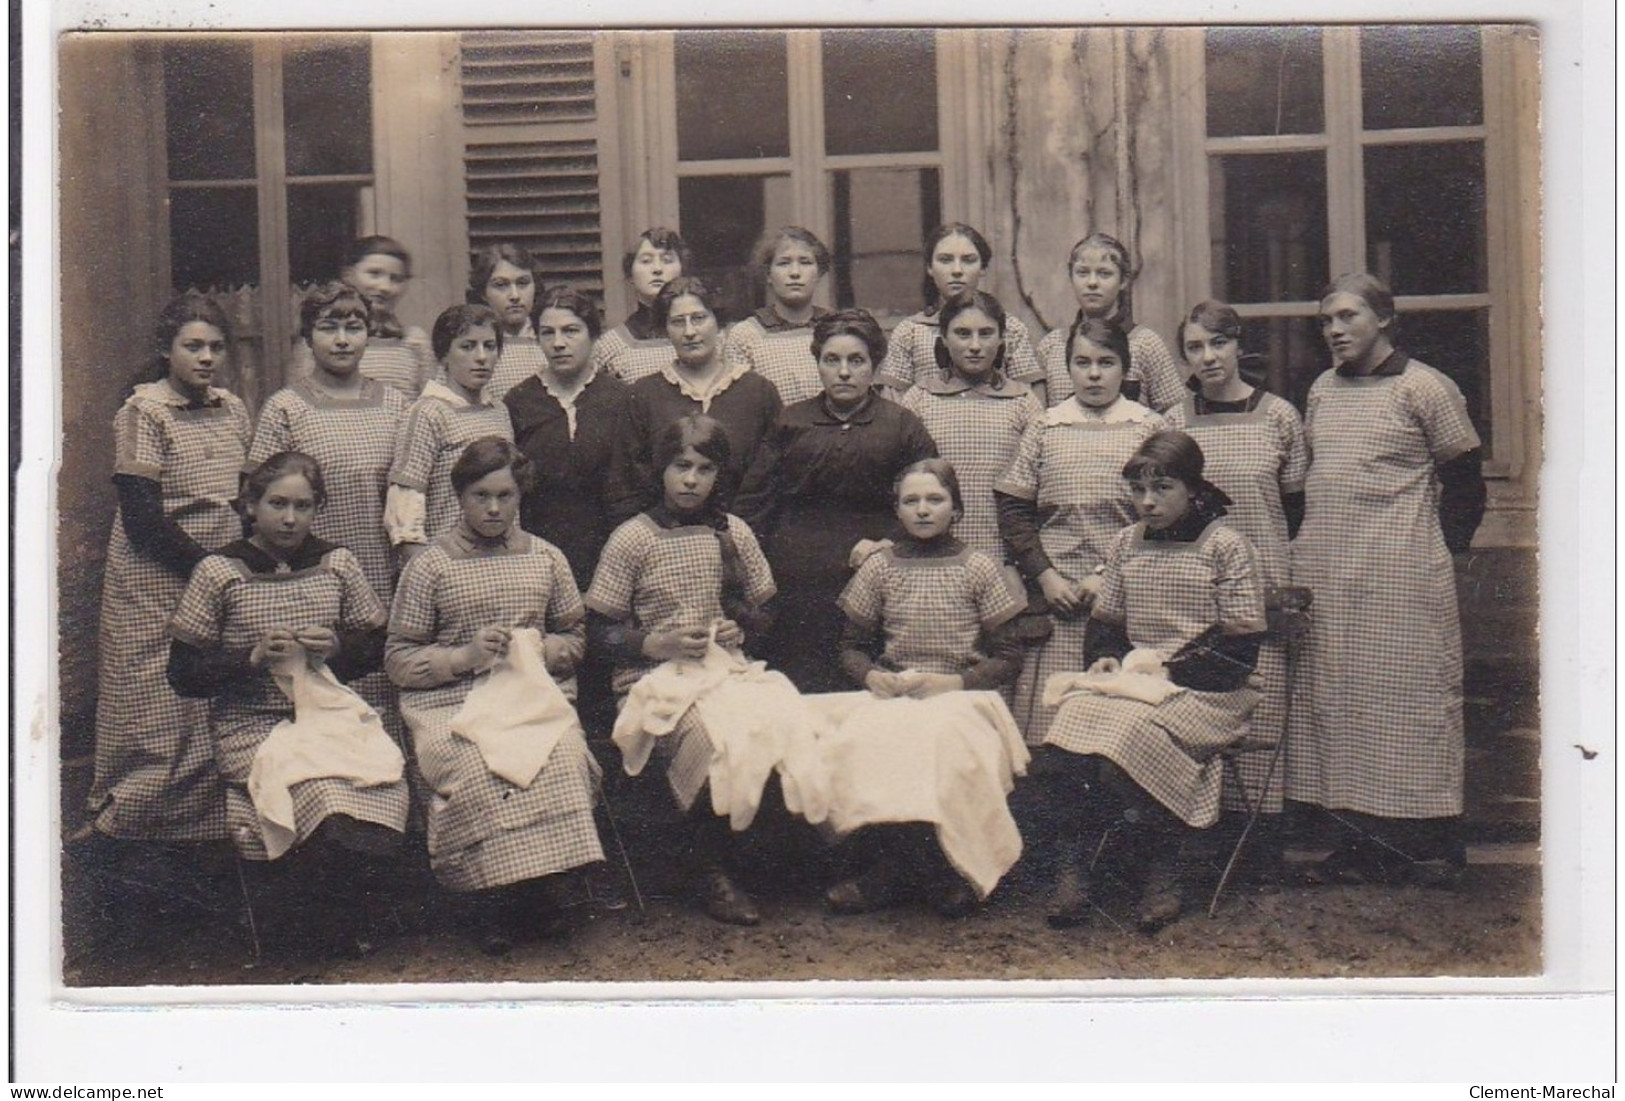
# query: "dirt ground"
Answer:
x=156 y=918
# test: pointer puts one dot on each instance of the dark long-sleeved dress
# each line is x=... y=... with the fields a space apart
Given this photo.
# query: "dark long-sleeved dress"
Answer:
x=820 y=485
x=571 y=449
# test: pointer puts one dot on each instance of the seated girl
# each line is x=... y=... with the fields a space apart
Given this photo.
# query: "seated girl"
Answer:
x=267 y=627
x=1178 y=620
x=686 y=583
x=928 y=635
x=510 y=803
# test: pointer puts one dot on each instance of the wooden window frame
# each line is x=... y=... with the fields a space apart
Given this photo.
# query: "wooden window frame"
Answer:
x=1345 y=141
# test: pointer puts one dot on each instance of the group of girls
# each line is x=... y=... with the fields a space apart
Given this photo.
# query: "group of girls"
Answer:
x=981 y=542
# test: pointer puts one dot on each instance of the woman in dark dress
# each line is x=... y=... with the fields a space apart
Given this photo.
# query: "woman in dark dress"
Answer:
x=821 y=485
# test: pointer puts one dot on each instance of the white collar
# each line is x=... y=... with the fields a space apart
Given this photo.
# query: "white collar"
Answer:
x=1121 y=411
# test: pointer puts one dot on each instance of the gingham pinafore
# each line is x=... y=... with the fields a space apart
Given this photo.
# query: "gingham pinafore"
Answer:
x=1161 y=379
x=1376 y=721
x=522 y=357
x=1255 y=457
x=629 y=358
x=663 y=579
x=432 y=438
x=1074 y=465
x=155 y=777
x=782 y=355
x=1168 y=593
x=228 y=605
x=911 y=352
x=484 y=831
x=978 y=430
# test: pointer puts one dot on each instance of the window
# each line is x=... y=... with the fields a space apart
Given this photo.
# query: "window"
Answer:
x=269 y=153
x=836 y=130
x=1326 y=150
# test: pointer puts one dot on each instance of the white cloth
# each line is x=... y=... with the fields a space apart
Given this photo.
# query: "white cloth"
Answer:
x=333 y=734
x=1145 y=687
x=949 y=759
x=517 y=713
x=755 y=719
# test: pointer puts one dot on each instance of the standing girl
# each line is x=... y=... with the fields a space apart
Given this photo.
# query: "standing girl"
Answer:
x=823 y=483
x=1102 y=275
x=671 y=581
x=639 y=347
x=396 y=355
x=1063 y=501
x=931 y=743
x=975 y=413
x=1395 y=488
x=459 y=609
x=1257 y=454
x=179 y=446
x=774 y=340
x=450 y=414
x=956 y=258
x=347 y=423
x=505 y=277
x=1180 y=598
x=280 y=616
x=699 y=379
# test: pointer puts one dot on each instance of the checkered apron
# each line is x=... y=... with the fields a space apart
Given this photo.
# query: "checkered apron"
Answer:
x=431 y=440
x=484 y=831
x=522 y=357
x=978 y=431
x=155 y=777
x=1168 y=594
x=932 y=610
x=663 y=579
x=228 y=605
x=1376 y=713
x=911 y=352
x=783 y=357
x=1161 y=379
x=404 y=363
x=628 y=358
x=1255 y=457
x=353 y=441
x=1076 y=469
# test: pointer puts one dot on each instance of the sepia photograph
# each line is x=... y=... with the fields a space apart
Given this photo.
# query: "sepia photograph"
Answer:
x=568 y=511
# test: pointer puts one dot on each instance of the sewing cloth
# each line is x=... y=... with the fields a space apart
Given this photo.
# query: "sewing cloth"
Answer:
x=516 y=713
x=950 y=760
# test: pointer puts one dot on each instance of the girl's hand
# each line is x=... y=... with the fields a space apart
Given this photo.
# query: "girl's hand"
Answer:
x=1106 y=665
x=1063 y=596
x=319 y=642
x=562 y=653
x=927 y=685
x=277 y=650
x=885 y=684
x=487 y=645
x=729 y=635
x=684 y=644
x=863 y=548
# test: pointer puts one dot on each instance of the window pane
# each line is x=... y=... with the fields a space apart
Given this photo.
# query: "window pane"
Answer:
x=1264 y=80
x=1269 y=226
x=1425 y=217
x=881 y=217
x=733 y=96
x=1421 y=76
x=327 y=109
x=322 y=220
x=721 y=217
x=214 y=238
x=209 y=110
x=1284 y=355
x=880 y=91
x=1456 y=342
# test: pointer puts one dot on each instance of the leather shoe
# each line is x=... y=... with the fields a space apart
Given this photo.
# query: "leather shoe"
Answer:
x=726 y=902
x=1069 y=906
x=956 y=898
x=875 y=889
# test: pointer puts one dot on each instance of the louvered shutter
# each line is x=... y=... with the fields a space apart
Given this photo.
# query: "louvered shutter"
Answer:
x=531 y=149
